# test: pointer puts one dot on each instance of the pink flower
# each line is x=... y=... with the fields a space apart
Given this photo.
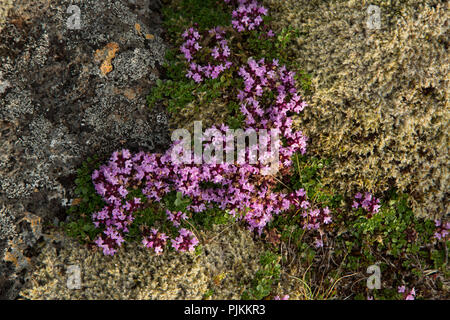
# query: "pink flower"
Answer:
x=369 y=203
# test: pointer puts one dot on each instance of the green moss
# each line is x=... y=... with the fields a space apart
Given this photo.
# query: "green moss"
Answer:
x=208 y=218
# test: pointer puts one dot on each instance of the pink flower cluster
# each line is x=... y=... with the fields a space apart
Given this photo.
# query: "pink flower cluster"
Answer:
x=110 y=182
x=240 y=187
x=299 y=199
x=110 y=241
x=407 y=296
x=248 y=16
x=442 y=229
x=220 y=53
x=154 y=239
x=368 y=202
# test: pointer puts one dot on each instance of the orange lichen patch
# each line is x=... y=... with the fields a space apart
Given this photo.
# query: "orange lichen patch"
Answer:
x=149 y=36
x=111 y=54
x=137 y=26
x=106 y=55
x=17 y=258
x=15 y=243
x=19 y=22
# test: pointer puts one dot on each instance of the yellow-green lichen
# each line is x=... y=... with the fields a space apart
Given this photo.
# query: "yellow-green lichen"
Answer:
x=379 y=104
x=226 y=266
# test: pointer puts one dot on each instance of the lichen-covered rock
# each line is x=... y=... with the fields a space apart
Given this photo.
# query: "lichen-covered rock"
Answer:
x=379 y=106
x=226 y=265
x=5 y=5
x=67 y=93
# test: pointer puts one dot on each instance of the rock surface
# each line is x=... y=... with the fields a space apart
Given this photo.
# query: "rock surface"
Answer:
x=67 y=93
